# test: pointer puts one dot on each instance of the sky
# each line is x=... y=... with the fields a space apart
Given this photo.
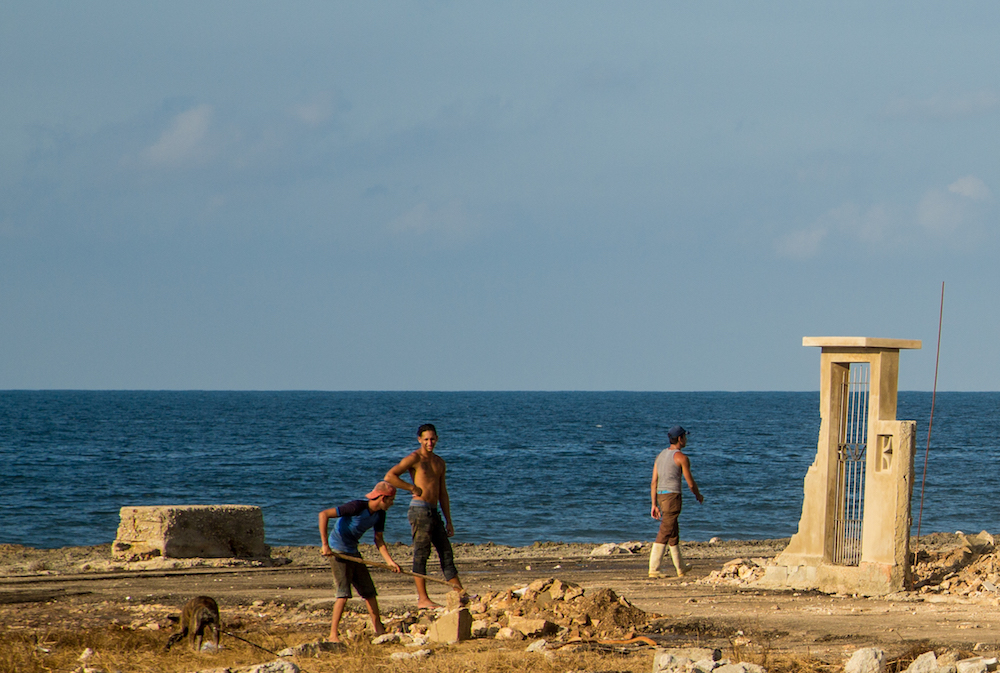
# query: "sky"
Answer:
x=494 y=196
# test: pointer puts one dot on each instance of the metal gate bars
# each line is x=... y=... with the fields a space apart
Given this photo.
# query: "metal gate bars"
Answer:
x=851 y=451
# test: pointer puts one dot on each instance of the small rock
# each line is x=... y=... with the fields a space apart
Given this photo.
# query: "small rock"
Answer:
x=386 y=638
x=866 y=660
x=507 y=633
x=974 y=665
x=419 y=654
x=925 y=663
x=538 y=646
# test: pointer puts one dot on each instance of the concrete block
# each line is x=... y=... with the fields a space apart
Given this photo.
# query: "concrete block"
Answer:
x=190 y=531
x=451 y=627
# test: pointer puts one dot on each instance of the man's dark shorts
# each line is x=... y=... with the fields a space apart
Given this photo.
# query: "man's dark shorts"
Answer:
x=670 y=510
x=347 y=574
x=428 y=529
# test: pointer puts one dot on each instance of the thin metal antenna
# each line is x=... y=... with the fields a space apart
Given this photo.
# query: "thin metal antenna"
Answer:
x=930 y=424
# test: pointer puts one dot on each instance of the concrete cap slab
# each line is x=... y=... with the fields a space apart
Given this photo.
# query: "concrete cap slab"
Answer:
x=862 y=342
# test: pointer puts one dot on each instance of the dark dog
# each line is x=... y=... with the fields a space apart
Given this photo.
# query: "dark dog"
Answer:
x=198 y=613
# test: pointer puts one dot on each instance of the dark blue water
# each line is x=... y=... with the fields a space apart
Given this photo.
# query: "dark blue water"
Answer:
x=566 y=466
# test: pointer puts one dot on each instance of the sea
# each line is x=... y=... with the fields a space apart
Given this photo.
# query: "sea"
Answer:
x=522 y=467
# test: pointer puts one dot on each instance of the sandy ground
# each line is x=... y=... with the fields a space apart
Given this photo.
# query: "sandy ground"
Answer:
x=42 y=590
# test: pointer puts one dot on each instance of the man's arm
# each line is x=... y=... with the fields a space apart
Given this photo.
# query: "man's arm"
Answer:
x=654 y=510
x=384 y=551
x=685 y=464
x=445 y=504
x=324 y=519
x=403 y=466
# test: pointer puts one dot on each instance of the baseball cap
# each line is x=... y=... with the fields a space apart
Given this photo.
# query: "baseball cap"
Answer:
x=676 y=433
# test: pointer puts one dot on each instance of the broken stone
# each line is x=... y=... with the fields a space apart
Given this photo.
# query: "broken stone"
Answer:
x=976 y=665
x=925 y=663
x=507 y=633
x=866 y=660
x=451 y=627
x=387 y=638
x=532 y=627
x=418 y=654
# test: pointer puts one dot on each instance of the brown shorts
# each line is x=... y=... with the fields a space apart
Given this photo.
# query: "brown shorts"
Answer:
x=347 y=574
x=670 y=511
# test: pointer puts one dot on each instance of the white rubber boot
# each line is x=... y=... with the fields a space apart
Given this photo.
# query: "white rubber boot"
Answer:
x=675 y=556
x=655 y=559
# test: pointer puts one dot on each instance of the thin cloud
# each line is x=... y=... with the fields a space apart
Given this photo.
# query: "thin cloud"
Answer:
x=184 y=141
x=802 y=244
x=450 y=221
x=970 y=187
x=959 y=208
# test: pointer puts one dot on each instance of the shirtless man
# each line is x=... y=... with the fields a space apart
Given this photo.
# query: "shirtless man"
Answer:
x=429 y=491
x=665 y=492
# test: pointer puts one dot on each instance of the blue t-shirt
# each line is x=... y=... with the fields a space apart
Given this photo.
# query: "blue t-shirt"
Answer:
x=353 y=520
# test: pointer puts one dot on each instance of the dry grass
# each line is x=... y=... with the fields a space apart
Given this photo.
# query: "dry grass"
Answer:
x=128 y=651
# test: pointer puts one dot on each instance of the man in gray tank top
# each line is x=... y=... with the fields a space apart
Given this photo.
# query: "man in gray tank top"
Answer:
x=665 y=492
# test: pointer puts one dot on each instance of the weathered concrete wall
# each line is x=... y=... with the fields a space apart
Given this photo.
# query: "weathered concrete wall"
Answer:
x=808 y=561
x=190 y=531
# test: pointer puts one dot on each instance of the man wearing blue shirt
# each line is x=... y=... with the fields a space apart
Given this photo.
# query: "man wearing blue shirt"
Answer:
x=352 y=520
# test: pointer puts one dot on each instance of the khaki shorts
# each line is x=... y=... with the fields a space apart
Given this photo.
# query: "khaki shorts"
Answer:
x=347 y=574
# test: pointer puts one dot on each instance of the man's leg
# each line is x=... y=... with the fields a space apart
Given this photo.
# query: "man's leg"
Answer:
x=420 y=525
x=342 y=578
x=372 y=604
x=338 y=611
x=442 y=545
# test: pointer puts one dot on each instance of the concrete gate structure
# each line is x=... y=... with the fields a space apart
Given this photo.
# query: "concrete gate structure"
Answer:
x=854 y=532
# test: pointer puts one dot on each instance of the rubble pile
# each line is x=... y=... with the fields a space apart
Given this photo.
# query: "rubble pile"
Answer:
x=547 y=608
x=738 y=572
x=972 y=569
x=699 y=660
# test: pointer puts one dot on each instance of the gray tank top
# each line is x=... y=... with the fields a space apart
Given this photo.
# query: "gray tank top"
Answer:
x=668 y=472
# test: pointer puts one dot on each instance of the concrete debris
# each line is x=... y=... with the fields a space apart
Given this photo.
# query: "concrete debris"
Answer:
x=418 y=654
x=698 y=660
x=451 y=627
x=387 y=638
x=925 y=663
x=610 y=549
x=550 y=608
x=866 y=660
x=971 y=570
x=738 y=572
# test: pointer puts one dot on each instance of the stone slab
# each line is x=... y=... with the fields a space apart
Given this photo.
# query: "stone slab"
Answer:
x=190 y=531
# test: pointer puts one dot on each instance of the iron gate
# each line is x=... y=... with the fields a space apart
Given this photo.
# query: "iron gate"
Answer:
x=851 y=451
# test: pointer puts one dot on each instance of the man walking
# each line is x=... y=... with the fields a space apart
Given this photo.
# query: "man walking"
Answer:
x=426 y=470
x=665 y=492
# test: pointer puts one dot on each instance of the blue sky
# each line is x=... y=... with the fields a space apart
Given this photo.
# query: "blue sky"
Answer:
x=494 y=196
